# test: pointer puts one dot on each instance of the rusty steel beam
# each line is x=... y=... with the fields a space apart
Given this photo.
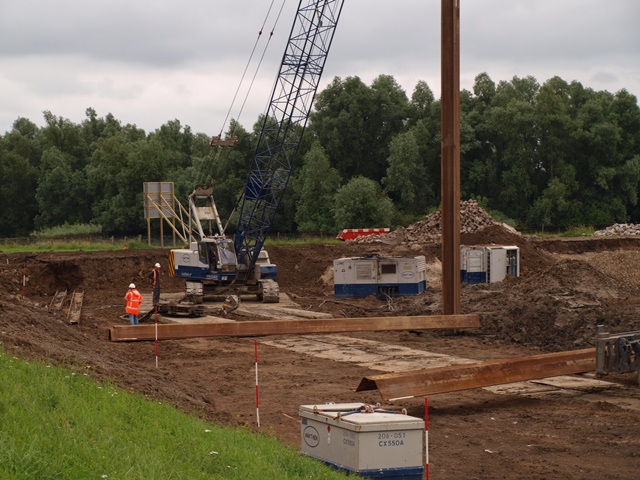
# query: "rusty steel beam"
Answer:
x=450 y=157
x=483 y=374
x=127 y=333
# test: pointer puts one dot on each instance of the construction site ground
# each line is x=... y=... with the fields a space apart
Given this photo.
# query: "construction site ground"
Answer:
x=571 y=427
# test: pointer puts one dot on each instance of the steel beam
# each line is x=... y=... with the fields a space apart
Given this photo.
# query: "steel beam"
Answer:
x=483 y=374
x=450 y=148
x=127 y=333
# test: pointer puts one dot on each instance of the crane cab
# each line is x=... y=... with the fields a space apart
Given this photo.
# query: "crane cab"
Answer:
x=210 y=259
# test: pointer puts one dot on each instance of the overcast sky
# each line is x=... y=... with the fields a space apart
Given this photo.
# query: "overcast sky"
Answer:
x=151 y=61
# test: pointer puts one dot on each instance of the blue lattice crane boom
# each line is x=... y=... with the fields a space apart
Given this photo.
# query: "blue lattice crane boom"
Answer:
x=291 y=101
x=216 y=264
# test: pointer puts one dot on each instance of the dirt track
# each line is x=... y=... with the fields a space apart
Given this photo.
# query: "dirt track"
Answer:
x=566 y=288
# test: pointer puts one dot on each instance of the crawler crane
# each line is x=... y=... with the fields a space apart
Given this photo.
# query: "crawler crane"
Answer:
x=219 y=265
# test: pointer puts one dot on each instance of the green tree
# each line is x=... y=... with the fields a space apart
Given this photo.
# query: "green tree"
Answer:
x=422 y=102
x=557 y=206
x=61 y=194
x=176 y=139
x=484 y=90
x=407 y=178
x=626 y=112
x=339 y=123
x=67 y=137
x=315 y=187
x=478 y=159
x=391 y=113
x=361 y=204
x=555 y=126
x=599 y=162
x=17 y=202
x=23 y=141
x=95 y=128
x=511 y=127
x=116 y=186
x=19 y=159
x=355 y=123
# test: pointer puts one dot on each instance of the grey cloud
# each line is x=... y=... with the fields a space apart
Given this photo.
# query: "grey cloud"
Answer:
x=146 y=32
x=73 y=54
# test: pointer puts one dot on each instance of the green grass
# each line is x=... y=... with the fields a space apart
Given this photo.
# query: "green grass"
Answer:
x=58 y=423
x=8 y=245
x=67 y=230
x=66 y=245
x=283 y=241
x=570 y=232
x=579 y=231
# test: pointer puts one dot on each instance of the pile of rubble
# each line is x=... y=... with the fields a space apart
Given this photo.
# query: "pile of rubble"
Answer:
x=619 y=229
x=472 y=219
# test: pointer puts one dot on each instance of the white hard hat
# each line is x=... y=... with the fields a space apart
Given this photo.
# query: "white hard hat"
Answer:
x=132 y=285
x=157 y=265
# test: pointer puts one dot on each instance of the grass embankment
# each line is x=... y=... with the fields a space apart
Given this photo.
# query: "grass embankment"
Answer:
x=71 y=246
x=278 y=241
x=67 y=245
x=59 y=423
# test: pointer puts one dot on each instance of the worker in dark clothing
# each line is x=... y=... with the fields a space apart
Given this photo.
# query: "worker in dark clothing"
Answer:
x=213 y=258
x=155 y=283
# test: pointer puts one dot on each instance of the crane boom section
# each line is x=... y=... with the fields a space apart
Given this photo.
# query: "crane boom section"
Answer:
x=291 y=101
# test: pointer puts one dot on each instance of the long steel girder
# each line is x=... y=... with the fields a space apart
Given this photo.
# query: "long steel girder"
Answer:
x=128 y=333
x=291 y=101
x=450 y=148
x=483 y=374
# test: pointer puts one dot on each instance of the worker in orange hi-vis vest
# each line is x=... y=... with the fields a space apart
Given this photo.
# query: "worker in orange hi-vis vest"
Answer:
x=134 y=299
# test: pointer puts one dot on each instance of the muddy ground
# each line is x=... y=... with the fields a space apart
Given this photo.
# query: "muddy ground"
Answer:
x=566 y=288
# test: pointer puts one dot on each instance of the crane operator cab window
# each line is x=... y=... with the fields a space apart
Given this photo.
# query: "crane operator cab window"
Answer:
x=213 y=256
x=227 y=254
x=203 y=252
x=208 y=254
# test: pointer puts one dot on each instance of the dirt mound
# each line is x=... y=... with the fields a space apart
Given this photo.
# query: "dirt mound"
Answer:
x=554 y=309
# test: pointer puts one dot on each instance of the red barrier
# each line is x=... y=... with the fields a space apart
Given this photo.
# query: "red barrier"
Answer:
x=351 y=233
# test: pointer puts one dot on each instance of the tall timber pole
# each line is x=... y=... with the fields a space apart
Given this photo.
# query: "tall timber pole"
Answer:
x=450 y=129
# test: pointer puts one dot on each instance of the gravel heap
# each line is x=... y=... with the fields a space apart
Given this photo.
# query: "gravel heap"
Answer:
x=472 y=219
x=619 y=229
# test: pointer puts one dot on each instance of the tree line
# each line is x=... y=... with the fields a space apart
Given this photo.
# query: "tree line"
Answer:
x=545 y=156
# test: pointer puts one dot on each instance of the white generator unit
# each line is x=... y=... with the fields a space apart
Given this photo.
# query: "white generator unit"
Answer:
x=357 y=277
x=488 y=263
x=371 y=443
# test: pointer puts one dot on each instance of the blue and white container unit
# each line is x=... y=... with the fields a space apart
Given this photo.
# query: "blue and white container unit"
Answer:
x=380 y=445
x=356 y=277
x=488 y=263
